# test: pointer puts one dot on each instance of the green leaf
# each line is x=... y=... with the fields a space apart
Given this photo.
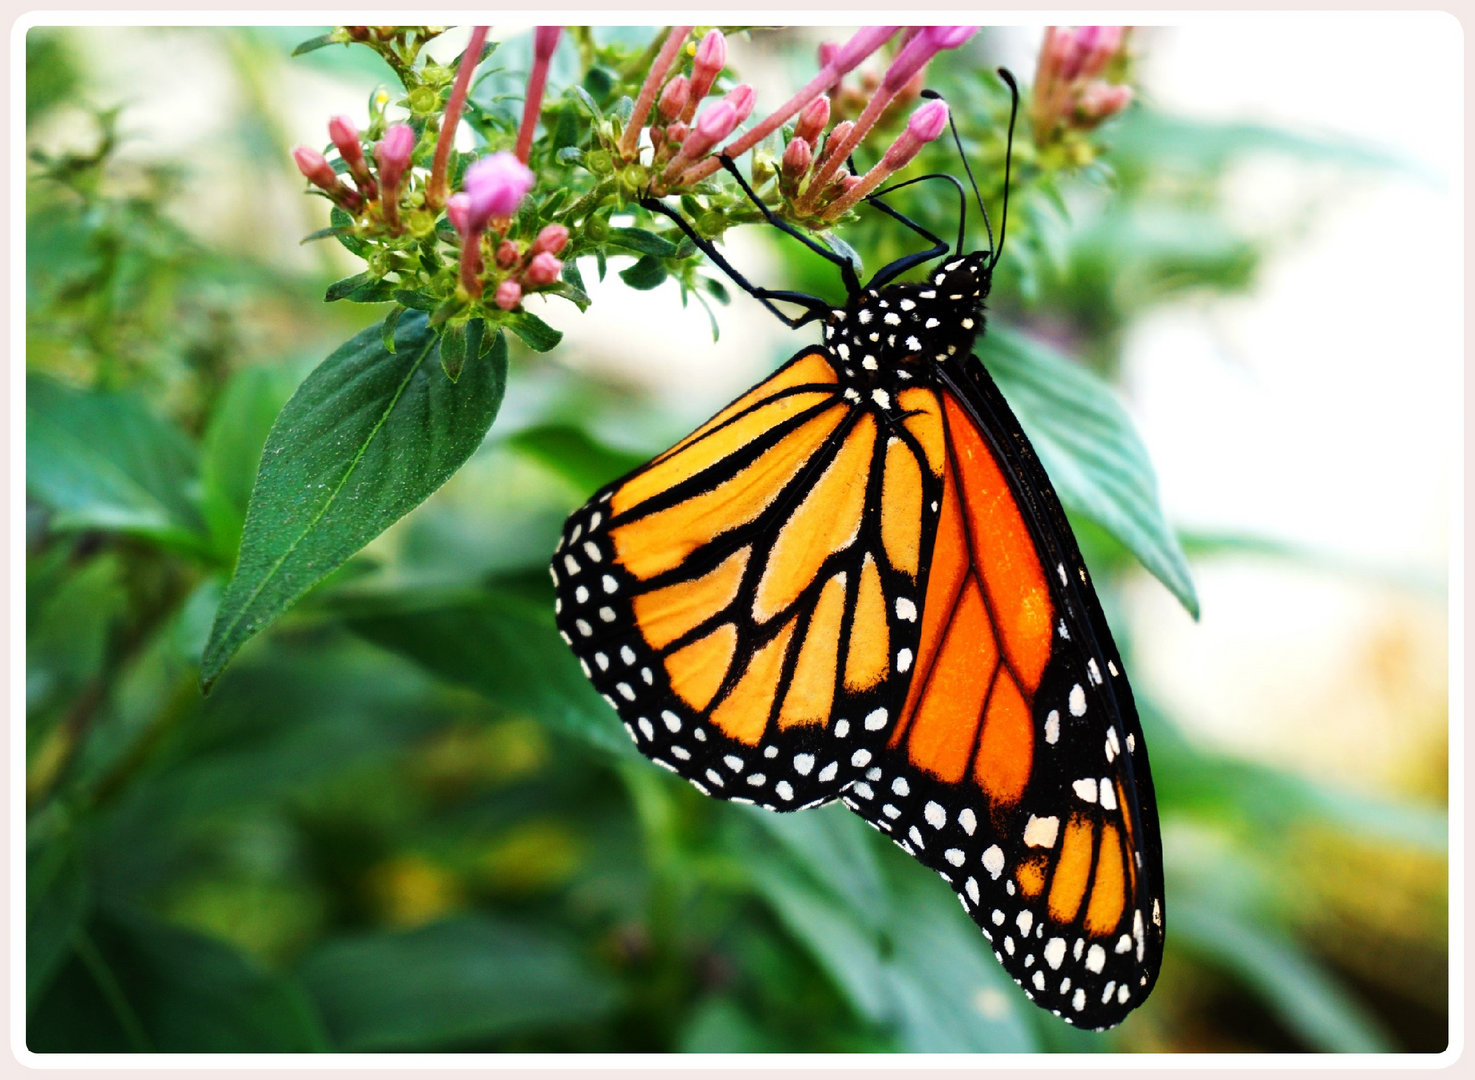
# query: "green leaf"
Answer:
x=642 y=241
x=950 y=995
x=535 y=333
x=366 y=438
x=647 y=273
x=375 y=292
x=569 y=291
x=453 y=351
x=416 y=301
x=572 y=452
x=454 y=982
x=140 y=984
x=347 y=234
x=103 y=461
x=312 y=44
x=502 y=644
x=58 y=899
x=388 y=328
x=67 y=641
x=1303 y=995
x=1091 y=451
x=339 y=289
x=834 y=848
x=232 y=451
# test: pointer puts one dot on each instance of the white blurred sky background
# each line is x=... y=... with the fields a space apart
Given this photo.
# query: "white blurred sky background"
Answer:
x=1323 y=410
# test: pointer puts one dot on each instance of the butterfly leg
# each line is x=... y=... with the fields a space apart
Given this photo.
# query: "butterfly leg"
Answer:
x=847 y=270
x=815 y=307
x=939 y=247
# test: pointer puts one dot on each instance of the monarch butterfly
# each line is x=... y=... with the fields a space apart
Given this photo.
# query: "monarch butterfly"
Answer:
x=856 y=582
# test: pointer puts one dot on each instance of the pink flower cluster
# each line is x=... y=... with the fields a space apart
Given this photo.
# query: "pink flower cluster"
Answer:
x=392 y=155
x=685 y=142
x=1069 y=91
x=492 y=190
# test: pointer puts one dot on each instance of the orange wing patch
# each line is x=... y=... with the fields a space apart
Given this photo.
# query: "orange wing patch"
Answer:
x=696 y=672
x=743 y=713
x=812 y=691
x=827 y=521
x=664 y=615
x=662 y=540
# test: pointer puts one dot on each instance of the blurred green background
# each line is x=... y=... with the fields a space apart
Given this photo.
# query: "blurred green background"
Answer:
x=403 y=820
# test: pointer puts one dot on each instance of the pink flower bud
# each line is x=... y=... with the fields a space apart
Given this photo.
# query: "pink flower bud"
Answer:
x=926 y=124
x=543 y=270
x=316 y=168
x=797 y=158
x=950 y=37
x=812 y=120
x=673 y=97
x=710 y=59
x=346 y=138
x=922 y=48
x=509 y=295
x=497 y=185
x=715 y=123
x=393 y=154
x=508 y=254
x=1100 y=100
x=551 y=239
x=677 y=133
x=711 y=54
x=865 y=41
x=741 y=98
x=545 y=40
x=458 y=211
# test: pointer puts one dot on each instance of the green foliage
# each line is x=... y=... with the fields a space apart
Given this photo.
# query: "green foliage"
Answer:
x=364 y=440
x=403 y=820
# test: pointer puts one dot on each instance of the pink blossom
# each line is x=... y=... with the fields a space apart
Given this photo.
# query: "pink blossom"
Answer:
x=797 y=158
x=926 y=124
x=551 y=239
x=674 y=97
x=497 y=185
x=458 y=211
x=508 y=254
x=710 y=59
x=545 y=40
x=393 y=154
x=315 y=167
x=509 y=295
x=544 y=269
x=812 y=120
x=741 y=98
x=922 y=48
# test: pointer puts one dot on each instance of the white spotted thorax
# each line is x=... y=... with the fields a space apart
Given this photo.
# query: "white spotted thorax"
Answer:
x=885 y=338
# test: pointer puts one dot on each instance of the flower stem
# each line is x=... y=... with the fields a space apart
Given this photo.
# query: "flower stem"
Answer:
x=630 y=140
x=438 y=191
x=837 y=157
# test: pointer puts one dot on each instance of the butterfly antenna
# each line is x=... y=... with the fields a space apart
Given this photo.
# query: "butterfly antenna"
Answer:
x=1008 y=163
x=963 y=218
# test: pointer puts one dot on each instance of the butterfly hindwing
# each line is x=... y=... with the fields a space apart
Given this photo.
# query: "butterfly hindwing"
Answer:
x=1014 y=768
x=735 y=599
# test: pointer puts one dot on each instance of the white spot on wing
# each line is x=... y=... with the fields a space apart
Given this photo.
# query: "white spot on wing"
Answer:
x=968 y=820
x=1052 y=727
x=993 y=861
x=1055 y=952
x=1041 y=832
x=1085 y=789
x=1077 y=701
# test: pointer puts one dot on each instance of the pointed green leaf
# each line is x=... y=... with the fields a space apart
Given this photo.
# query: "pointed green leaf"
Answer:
x=453 y=351
x=339 y=289
x=1090 y=449
x=365 y=439
x=104 y=461
x=535 y=333
x=648 y=273
x=642 y=241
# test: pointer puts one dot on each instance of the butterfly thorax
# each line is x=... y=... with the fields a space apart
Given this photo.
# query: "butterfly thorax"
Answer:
x=896 y=333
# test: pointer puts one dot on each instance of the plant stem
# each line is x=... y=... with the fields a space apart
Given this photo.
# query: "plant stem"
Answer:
x=630 y=140
x=437 y=191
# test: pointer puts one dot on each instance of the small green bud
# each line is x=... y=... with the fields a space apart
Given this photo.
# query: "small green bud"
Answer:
x=424 y=100
x=711 y=223
x=379 y=263
x=636 y=176
x=599 y=162
x=597 y=229
x=421 y=223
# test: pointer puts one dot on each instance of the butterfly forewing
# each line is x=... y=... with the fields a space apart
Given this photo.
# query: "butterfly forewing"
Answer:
x=735 y=599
